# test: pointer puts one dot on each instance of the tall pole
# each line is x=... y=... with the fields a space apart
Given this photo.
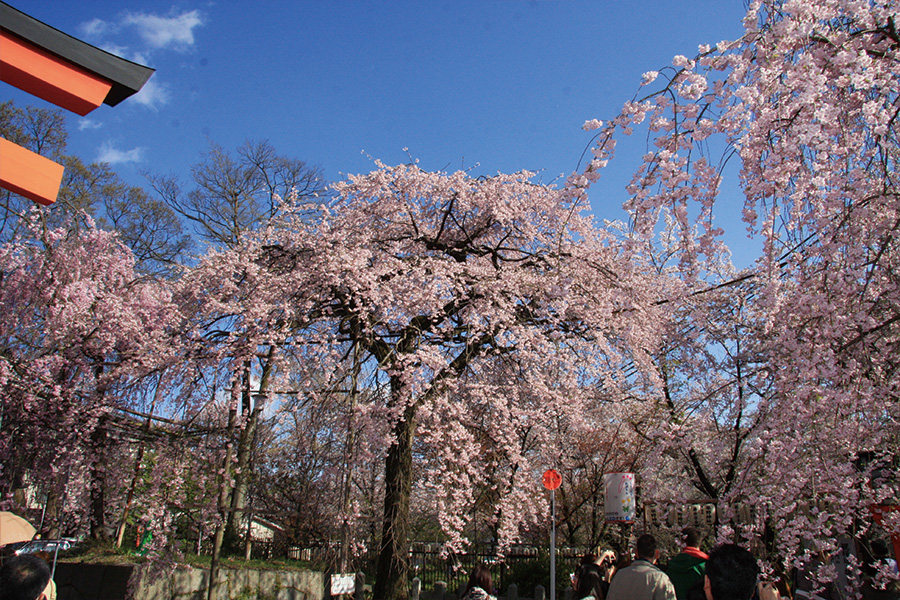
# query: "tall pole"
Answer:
x=553 y=544
x=349 y=447
x=552 y=480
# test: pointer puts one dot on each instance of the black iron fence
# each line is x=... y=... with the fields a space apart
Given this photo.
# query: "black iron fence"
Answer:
x=523 y=565
x=526 y=566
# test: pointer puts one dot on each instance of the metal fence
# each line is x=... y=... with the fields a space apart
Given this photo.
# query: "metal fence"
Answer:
x=428 y=561
x=430 y=564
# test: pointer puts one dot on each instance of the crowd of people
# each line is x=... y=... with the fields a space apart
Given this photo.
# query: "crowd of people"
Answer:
x=727 y=572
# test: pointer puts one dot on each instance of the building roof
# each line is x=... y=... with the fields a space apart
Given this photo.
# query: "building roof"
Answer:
x=126 y=77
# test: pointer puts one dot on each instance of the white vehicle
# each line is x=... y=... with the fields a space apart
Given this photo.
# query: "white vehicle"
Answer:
x=45 y=548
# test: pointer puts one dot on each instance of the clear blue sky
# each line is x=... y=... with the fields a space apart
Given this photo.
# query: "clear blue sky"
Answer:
x=504 y=84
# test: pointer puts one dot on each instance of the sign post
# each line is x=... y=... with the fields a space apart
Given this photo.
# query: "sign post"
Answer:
x=552 y=480
x=343 y=583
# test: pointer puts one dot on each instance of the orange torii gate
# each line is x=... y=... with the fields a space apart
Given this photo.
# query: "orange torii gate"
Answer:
x=65 y=71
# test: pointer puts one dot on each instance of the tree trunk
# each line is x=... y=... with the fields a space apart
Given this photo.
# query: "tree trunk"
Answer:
x=135 y=477
x=51 y=515
x=236 y=498
x=242 y=475
x=392 y=571
x=98 y=466
x=224 y=491
x=252 y=404
x=349 y=449
x=98 y=482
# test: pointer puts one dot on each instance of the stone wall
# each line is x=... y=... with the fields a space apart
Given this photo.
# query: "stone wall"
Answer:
x=82 y=581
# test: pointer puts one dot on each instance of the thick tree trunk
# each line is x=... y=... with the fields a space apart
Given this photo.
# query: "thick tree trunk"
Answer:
x=392 y=571
x=242 y=476
x=224 y=491
x=236 y=499
x=50 y=526
x=252 y=404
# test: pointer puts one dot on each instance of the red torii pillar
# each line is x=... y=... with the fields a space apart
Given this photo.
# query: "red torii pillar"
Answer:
x=878 y=512
x=65 y=71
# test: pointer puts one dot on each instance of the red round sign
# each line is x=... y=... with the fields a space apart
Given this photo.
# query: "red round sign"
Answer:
x=552 y=479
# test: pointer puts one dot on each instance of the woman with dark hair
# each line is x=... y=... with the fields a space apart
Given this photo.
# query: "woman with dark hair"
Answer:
x=480 y=586
x=588 y=583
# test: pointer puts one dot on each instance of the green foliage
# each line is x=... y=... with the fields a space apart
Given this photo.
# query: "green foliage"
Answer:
x=249 y=593
x=528 y=574
x=202 y=561
x=233 y=543
x=101 y=551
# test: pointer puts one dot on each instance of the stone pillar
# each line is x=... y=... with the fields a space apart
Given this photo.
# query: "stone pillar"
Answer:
x=540 y=593
x=512 y=592
x=440 y=590
x=415 y=589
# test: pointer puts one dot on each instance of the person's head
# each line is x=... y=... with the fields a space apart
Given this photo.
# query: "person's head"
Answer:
x=480 y=577
x=691 y=536
x=588 y=581
x=731 y=573
x=646 y=547
x=25 y=577
x=879 y=549
x=606 y=561
x=589 y=559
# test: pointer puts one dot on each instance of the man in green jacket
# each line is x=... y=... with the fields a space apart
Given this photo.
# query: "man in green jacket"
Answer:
x=687 y=567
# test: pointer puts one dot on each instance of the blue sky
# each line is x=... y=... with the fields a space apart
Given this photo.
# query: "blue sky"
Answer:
x=504 y=84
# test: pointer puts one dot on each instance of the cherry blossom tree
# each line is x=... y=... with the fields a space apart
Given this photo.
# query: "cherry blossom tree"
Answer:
x=487 y=308
x=806 y=104
x=496 y=330
x=79 y=330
